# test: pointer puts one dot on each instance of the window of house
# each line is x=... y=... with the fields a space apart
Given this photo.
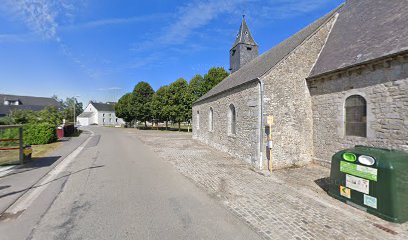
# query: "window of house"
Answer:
x=103 y=115
x=116 y=119
x=233 y=52
x=249 y=48
x=232 y=120
x=198 y=119
x=211 y=119
x=356 y=116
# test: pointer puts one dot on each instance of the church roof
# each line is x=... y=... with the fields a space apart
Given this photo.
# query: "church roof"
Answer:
x=244 y=35
x=263 y=63
x=365 y=30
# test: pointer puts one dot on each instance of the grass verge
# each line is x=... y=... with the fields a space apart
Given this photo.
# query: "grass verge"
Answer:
x=39 y=151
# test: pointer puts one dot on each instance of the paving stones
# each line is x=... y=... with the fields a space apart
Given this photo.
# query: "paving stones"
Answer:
x=288 y=204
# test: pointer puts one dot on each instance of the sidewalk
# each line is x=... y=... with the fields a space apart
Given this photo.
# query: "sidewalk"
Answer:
x=21 y=178
x=290 y=204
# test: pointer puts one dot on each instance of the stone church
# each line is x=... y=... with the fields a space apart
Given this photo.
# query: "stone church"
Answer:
x=339 y=82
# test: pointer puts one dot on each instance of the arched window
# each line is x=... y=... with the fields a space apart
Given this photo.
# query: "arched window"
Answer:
x=198 y=119
x=211 y=119
x=356 y=116
x=232 y=119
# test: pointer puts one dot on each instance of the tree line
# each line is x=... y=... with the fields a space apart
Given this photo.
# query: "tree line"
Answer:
x=172 y=102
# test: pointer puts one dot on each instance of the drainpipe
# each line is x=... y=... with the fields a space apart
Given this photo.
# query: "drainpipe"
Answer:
x=261 y=123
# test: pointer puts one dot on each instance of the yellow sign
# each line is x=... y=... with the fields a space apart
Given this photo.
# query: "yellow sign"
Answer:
x=345 y=192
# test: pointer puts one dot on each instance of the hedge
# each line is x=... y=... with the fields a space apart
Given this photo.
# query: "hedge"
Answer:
x=39 y=133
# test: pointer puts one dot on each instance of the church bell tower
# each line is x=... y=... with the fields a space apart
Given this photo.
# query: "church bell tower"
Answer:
x=244 y=49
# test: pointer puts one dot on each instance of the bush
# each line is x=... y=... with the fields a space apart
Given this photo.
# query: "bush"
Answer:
x=11 y=133
x=39 y=133
x=6 y=121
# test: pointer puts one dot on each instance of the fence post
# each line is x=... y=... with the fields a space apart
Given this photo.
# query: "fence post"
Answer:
x=20 y=135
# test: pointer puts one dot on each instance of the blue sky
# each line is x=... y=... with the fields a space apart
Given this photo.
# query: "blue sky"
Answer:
x=99 y=49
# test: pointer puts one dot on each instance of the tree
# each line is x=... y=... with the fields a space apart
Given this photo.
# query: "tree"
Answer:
x=179 y=101
x=68 y=108
x=123 y=109
x=142 y=96
x=160 y=104
x=214 y=76
x=196 y=87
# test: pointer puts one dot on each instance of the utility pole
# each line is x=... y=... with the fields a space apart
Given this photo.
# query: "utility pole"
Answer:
x=75 y=100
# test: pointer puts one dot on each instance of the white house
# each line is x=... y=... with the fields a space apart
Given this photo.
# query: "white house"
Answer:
x=99 y=114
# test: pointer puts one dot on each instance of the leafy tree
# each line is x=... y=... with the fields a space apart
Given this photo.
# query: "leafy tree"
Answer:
x=214 y=76
x=142 y=96
x=160 y=104
x=123 y=109
x=196 y=87
x=179 y=101
x=68 y=108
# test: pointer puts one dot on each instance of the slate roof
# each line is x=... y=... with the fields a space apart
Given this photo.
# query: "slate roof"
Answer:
x=86 y=114
x=263 y=63
x=104 y=107
x=365 y=30
x=27 y=103
x=244 y=35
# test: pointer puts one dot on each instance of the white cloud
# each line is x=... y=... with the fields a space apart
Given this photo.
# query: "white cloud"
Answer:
x=196 y=14
x=116 y=21
x=36 y=14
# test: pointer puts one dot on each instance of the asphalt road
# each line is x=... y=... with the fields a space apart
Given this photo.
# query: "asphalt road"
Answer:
x=113 y=187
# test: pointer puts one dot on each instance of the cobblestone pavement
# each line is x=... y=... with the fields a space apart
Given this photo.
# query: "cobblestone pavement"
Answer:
x=289 y=204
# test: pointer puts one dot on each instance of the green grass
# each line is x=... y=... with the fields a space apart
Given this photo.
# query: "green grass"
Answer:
x=39 y=151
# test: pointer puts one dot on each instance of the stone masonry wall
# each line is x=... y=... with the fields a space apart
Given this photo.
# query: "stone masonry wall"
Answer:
x=245 y=143
x=287 y=99
x=384 y=85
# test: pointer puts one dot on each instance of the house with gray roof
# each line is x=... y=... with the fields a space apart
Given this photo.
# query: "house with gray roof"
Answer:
x=9 y=103
x=99 y=114
x=339 y=82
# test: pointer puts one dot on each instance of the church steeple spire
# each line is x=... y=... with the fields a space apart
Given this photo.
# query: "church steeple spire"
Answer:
x=244 y=48
x=244 y=35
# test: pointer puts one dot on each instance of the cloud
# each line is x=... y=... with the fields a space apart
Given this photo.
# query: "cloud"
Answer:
x=116 y=21
x=36 y=14
x=15 y=38
x=194 y=15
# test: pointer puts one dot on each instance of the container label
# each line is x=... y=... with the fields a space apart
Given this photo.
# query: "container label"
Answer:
x=345 y=192
x=370 y=201
x=358 y=170
x=358 y=184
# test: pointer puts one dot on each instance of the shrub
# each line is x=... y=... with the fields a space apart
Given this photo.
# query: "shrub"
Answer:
x=11 y=133
x=39 y=133
x=6 y=121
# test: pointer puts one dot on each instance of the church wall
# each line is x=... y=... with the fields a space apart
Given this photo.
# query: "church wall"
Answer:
x=384 y=85
x=288 y=100
x=245 y=143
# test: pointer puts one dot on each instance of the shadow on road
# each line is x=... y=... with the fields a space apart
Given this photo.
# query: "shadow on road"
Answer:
x=33 y=187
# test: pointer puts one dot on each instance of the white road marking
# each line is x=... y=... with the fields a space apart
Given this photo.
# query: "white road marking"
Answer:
x=28 y=198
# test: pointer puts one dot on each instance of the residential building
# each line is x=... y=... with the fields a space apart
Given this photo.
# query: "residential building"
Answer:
x=99 y=114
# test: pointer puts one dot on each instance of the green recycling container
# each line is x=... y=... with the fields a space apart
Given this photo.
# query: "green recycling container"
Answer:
x=372 y=179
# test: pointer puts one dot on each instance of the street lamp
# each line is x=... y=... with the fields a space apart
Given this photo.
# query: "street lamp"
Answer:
x=74 y=109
